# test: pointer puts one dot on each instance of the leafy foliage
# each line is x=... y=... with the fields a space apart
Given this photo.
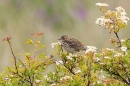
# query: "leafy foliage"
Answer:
x=93 y=67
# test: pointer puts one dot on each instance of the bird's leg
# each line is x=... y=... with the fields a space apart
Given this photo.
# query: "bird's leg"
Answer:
x=61 y=48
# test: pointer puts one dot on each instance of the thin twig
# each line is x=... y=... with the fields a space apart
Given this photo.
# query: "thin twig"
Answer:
x=13 y=55
x=35 y=50
x=89 y=70
x=118 y=39
x=116 y=73
x=51 y=56
x=122 y=63
x=69 y=69
x=122 y=78
x=30 y=81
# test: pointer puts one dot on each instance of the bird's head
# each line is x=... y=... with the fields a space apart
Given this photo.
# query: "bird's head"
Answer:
x=64 y=38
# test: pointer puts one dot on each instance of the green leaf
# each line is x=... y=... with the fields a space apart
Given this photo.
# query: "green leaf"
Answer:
x=29 y=41
x=42 y=55
x=42 y=46
x=27 y=54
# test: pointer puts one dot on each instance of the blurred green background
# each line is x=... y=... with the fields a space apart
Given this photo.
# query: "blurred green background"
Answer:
x=76 y=18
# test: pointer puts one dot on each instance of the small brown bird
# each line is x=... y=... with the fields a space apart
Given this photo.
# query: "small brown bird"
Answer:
x=71 y=45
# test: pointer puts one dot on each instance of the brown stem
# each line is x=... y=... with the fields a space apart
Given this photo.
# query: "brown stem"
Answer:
x=70 y=70
x=35 y=50
x=13 y=56
x=89 y=74
x=89 y=70
x=125 y=70
x=118 y=39
x=31 y=82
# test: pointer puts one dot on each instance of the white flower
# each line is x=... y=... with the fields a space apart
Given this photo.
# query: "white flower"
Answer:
x=38 y=81
x=65 y=78
x=125 y=21
x=77 y=71
x=53 y=84
x=101 y=4
x=101 y=71
x=46 y=77
x=55 y=44
x=124 y=18
x=118 y=55
x=123 y=14
x=102 y=21
x=59 y=62
x=99 y=20
x=102 y=76
x=120 y=9
x=122 y=40
x=102 y=63
x=106 y=57
x=91 y=49
x=12 y=75
x=123 y=48
x=110 y=49
x=98 y=82
x=70 y=56
x=8 y=78
x=97 y=59
x=20 y=66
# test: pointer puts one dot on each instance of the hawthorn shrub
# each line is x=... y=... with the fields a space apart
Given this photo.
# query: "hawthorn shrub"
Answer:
x=93 y=67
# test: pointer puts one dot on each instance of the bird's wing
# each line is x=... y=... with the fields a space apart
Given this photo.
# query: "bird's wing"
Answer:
x=74 y=43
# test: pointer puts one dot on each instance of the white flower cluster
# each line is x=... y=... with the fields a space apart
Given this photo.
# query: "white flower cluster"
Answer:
x=55 y=44
x=120 y=9
x=123 y=48
x=65 y=78
x=118 y=55
x=113 y=20
x=91 y=49
x=59 y=62
x=106 y=57
x=121 y=14
x=102 y=21
x=53 y=84
x=38 y=81
x=70 y=56
x=112 y=50
x=77 y=71
x=7 y=78
x=46 y=77
x=122 y=40
x=101 y=4
x=97 y=59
